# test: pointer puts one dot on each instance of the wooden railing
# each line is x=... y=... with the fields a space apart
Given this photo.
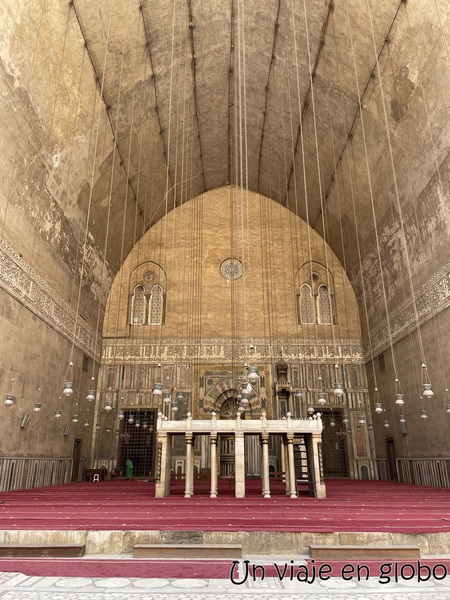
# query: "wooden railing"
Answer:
x=21 y=473
x=383 y=469
x=424 y=471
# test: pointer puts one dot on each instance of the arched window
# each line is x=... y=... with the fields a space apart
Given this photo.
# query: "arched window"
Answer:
x=324 y=311
x=307 y=309
x=138 y=305
x=316 y=300
x=156 y=308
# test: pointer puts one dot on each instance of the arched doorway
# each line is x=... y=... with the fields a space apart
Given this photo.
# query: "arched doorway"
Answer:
x=228 y=410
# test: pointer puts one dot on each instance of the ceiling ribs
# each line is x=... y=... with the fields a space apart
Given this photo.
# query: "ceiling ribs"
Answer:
x=194 y=82
x=155 y=89
x=372 y=77
x=272 y=59
x=308 y=94
x=107 y=106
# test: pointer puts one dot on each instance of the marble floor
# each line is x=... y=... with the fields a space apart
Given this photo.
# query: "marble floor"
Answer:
x=16 y=586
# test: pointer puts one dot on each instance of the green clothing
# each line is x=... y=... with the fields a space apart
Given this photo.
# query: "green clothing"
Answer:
x=129 y=464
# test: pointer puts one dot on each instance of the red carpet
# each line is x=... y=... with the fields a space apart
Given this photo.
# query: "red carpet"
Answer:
x=85 y=567
x=130 y=505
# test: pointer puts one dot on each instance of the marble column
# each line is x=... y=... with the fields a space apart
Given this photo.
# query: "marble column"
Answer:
x=164 y=445
x=265 y=465
x=292 y=482
x=213 y=440
x=188 y=482
x=239 y=464
x=314 y=446
x=285 y=464
x=192 y=471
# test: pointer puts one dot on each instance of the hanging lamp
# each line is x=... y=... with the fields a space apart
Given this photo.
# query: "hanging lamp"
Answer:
x=91 y=391
x=398 y=393
x=252 y=376
x=9 y=400
x=426 y=383
x=68 y=383
x=157 y=392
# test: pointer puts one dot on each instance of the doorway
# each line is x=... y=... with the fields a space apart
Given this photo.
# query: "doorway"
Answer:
x=334 y=448
x=392 y=462
x=137 y=442
x=76 y=456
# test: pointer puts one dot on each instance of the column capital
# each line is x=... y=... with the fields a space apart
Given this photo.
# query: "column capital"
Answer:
x=213 y=437
x=189 y=437
x=265 y=438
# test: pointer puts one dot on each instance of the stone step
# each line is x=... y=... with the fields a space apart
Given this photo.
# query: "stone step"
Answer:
x=368 y=552
x=42 y=550
x=187 y=551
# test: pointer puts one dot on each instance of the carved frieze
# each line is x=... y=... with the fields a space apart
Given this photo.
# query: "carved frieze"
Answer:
x=22 y=282
x=429 y=300
x=214 y=351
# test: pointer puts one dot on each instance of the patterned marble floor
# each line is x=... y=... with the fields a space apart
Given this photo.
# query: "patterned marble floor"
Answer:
x=15 y=586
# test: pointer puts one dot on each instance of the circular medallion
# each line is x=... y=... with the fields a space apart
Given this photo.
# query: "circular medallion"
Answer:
x=231 y=268
x=148 y=276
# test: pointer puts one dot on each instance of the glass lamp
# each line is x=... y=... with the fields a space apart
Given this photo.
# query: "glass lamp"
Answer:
x=91 y=391
x=9 y=400
x=399 y=399
x=158 y=389
x=322 y=398
x=338 y=390
x=252 y=376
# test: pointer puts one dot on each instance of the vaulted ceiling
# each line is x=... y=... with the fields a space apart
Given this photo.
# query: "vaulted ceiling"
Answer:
x=202 y=94
x=338 y=109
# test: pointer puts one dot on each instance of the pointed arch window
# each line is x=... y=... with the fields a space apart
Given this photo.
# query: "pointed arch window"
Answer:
x=156 y=305
x=307 y=308
x=324 y=310
x=138 y=305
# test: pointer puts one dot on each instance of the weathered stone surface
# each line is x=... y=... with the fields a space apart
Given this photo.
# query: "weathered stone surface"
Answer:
x=362 y=538
x=109 y=120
